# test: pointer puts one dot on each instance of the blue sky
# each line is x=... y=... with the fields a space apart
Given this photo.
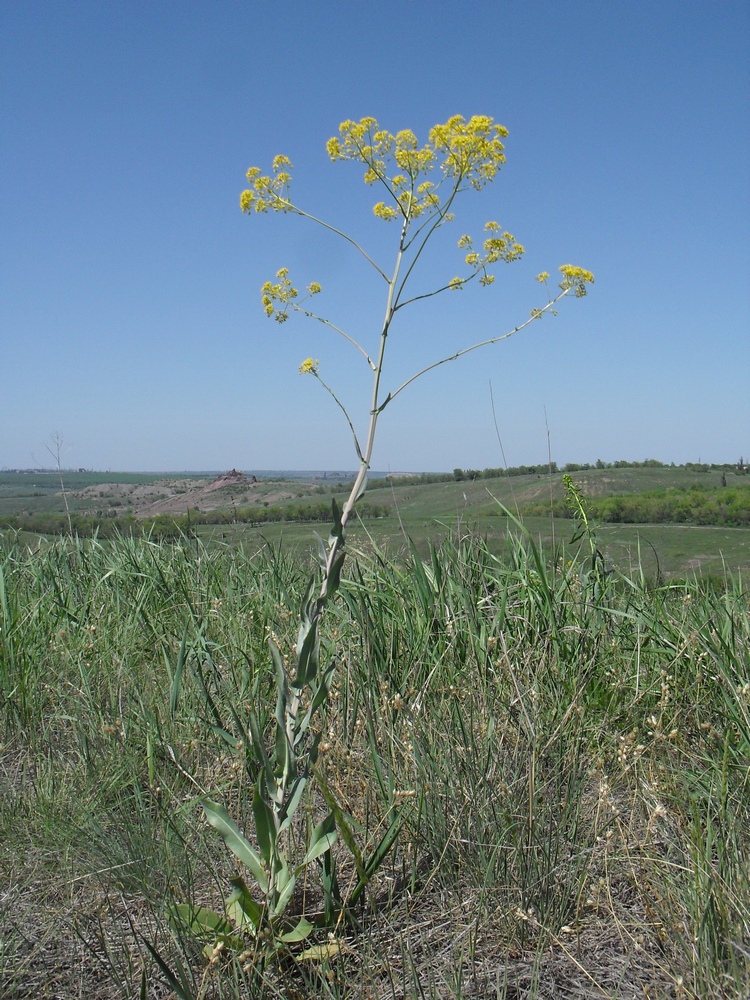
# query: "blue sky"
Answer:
x=130 y=318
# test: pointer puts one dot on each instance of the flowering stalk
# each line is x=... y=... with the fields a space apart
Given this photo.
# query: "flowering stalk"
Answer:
x=464 y=155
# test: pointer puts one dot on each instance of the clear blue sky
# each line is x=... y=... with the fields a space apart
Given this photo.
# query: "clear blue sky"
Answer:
x=130 y=315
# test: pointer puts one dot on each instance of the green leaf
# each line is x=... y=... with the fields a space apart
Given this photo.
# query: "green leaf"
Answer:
x=286 y=814
x=335 y=575
x=265 y=825
x=347 y=834
x=224 y=735
x=242 y=733
x=322 y=839
x=308 y=601
x=379 y=854
x=322 y=554
x=260 y=749
x=330 y=885
x=320 y=952
x=362 y=490
x=301 y=932
x=200 y=920
x=307 y=655
x=312 y=753
x=241 y=908
x=177 y=678
x=281 y=685
x=285 y=883
x=336 y=531
x=284 y=768
x=220 y=819
x=321 y=693
x=180 y=987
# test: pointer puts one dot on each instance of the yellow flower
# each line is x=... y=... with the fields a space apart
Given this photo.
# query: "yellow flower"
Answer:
x=543 y=276
x=314 y=288
x=268 y=192
x=576 y=278
x=383 y=211
x=473 y=150
x=309 y=367
x=577 y=273
x=283 y=292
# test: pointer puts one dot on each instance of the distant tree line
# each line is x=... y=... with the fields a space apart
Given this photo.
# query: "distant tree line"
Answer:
x=697 y=504
x=173 y=526
x=469 y=475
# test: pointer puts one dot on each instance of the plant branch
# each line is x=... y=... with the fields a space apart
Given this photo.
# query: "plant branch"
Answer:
x=467 y=350
x=338 y=232
x=375 y=408
x=441 y=212
x=438 y=291
x=336 y=329
x=343 y=409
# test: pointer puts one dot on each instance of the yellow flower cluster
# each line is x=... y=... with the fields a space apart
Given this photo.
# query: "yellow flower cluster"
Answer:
x=502 y=248
x=383 y=211
x=268 y=192
x=309 y=367
x=469 y=153
x=282 y=292
x=498 y=246
x=575 y=278
x=410 y=158
x=473 y=151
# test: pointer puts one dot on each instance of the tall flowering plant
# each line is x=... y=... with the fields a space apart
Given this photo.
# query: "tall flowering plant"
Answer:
x=418 y=186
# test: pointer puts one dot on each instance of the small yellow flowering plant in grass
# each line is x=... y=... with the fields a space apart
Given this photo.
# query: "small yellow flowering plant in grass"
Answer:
x=417 y=189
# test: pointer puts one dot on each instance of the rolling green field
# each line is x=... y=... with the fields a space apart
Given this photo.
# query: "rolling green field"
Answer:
x=672 y=551
x=417 y=512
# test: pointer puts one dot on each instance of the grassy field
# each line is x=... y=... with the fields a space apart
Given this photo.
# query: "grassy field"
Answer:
x=420 y=512
x=674 y=551
x=569 y=753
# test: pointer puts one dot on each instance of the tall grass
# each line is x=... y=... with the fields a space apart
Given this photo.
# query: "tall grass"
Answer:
x=574 y=762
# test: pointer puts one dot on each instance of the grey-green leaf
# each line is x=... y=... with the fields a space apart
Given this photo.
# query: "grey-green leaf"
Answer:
x=264 y=822
x=220 y=820
x=322 y=839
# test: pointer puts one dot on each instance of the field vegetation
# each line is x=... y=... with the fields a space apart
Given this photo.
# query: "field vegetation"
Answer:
x=568 y=750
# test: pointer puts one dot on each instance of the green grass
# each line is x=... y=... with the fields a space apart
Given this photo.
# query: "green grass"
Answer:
x=574 y=761
x=674 y=551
